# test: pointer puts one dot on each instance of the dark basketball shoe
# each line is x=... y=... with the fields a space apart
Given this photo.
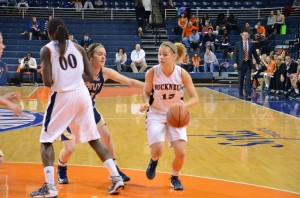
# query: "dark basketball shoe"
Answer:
x=151 y=169
x=175 y=183
x=117 y=185
x=46 y=190
x=124 y=177
x=62 y=177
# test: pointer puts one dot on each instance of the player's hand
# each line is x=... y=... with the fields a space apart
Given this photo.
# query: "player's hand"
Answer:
x=235 y=65
x=12 y=96
x=144 y=107
x=15 y=108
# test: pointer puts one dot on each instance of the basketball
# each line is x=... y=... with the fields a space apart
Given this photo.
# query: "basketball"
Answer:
x=178 y=116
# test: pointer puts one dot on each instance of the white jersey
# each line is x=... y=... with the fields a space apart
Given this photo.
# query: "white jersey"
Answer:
x=167 y=91
x=66 y=75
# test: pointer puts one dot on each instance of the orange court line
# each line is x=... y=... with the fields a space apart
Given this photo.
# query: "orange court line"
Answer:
x=19 y=179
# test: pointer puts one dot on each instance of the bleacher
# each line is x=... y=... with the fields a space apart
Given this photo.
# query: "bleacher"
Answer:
x=113 y=34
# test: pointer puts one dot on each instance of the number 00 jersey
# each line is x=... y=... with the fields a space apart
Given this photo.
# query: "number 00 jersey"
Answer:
x=166 y=91
x=66 y=74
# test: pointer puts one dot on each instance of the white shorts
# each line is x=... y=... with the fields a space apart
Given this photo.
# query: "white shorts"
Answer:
x=158 y=129
x=70 y=109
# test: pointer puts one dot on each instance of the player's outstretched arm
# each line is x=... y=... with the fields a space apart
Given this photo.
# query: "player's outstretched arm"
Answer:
x=109 y=73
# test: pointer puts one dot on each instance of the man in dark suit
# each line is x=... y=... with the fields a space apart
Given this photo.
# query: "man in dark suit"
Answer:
x=242 y=59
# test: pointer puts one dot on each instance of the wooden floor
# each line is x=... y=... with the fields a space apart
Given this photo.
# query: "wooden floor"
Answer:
x=236 y=149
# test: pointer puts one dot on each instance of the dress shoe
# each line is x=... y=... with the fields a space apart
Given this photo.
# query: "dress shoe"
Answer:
x=248 y=98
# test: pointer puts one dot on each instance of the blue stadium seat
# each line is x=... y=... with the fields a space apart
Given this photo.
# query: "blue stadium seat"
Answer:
x=206 y=4
x=45 y=4
x=129 y=4
x=215 y=4
x=177 y=3
x=258 y=3
x=186 y=4
x=56 y=4
x=33 y=3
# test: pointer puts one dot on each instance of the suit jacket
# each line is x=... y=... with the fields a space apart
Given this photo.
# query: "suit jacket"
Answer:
x=238 y=54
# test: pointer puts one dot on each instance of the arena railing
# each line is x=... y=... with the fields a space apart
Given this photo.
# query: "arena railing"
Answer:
x=68 y=13
x=251 y=13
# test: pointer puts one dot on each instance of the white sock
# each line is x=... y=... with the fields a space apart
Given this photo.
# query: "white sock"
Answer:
x=175 y=173
x=115 y=161
x=62 y=164
x=154 y=159
x=49 y=174
x=110 y=165
x=297 y=91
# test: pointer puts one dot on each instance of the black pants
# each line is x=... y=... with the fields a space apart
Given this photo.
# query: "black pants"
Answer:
x=244 y=74
x=34 y=71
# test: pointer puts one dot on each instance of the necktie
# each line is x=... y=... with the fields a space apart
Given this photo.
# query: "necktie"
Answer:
x=245 y=52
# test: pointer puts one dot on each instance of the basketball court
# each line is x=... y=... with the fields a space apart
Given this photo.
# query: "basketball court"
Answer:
x=236 y=148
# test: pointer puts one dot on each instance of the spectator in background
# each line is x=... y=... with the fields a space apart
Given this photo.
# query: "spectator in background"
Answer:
x=196 y=24
x=187 y=31
x=196 y=62
x=206 y=27
x=194 y=41
x=277 y=82
x=169 y=5
x=225 y=45
x=88 y=4
x=209 y=40
x=148 y=9
x=254 y=73
x=220 y=24
x=257 y=41
x=270 y=23
x=71 y=38
x=295 y=81
x=121 y=58
x=269 y=72
x=140 y=16
x=182 y=22
x=98 y=4
x=210 y=60
x=28 y=64
x=186 y=62
x=44 y=34
x=279 y=21
x=34 y=28
x=86 y=41
x=248 y=29
x=260 y=29
x=22 y=6
x=291 y=69
x=138 y=59
x=77 y=4
x=232 y=24
x=204 y=19
x=193 y=18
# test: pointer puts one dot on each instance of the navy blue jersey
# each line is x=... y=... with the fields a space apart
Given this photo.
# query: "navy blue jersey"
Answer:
x=95 y=86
